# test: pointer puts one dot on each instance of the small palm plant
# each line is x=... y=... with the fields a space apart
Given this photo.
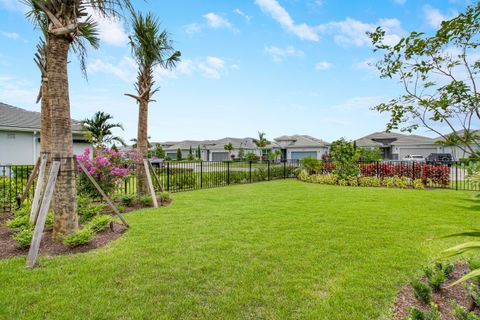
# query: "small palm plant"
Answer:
x=99 y=129
x=228 y=147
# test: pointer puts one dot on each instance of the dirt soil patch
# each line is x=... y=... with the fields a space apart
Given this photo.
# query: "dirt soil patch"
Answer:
x=442 y=299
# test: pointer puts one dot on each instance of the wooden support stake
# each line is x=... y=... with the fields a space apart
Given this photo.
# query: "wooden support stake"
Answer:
x=30 y=180
x=103 y=194
x=38 y=190
x=42 y=216
x=156 y=177
x=150 y=183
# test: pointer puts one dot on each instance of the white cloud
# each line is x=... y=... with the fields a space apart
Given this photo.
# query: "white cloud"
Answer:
x=367 y=65
x=435 y=17
x=400 y=2
x=323 y=65
x=279 y=54
x=192 y=28
x=124 y=70
x=112 y=31
x=10 y=35
x=217 y=22
x=13 y=5
x=243 y=14
x=279 y=14
x=212 y=68
x=18 y=92
x=353 y=32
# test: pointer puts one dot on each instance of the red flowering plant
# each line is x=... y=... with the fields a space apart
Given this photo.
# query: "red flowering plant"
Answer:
x=107 y=166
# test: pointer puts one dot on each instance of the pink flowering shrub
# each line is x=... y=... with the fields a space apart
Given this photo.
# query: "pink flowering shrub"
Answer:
x=107 y=166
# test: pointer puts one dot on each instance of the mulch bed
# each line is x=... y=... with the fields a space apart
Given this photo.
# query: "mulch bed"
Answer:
x=9 y=248
x=443 y=299
x=138 y=206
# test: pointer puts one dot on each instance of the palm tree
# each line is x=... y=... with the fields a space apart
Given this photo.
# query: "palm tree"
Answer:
x=262 y=141
x=70 y=26
x=229 y=148
x=99 y=129
x=151 y=48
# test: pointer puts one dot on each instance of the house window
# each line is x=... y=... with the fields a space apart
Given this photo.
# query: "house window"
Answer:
x=10 y=135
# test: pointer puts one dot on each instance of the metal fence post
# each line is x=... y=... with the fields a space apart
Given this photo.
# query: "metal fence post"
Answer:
x=228 y=172
x=413 y=170
x=378 y=170
x=268 y=170
x=456 y=176
x=285 y=169
x=168 y=176
x=201 y=174
x=250 y=162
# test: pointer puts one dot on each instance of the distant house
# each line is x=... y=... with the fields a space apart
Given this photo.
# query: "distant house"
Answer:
x=295 y=147
x=211 y=150
x=396 y=146
x=458 y=152
x=20 y=136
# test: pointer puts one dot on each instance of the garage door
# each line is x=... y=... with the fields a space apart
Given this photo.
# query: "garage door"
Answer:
x=219 y=156
x=299 y=155
x=420 y=151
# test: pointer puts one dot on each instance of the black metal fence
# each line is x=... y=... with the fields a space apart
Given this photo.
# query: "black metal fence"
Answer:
x=183 y=176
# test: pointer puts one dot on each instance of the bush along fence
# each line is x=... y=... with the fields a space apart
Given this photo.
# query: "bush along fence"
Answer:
x=399 y=174
x=185 y=176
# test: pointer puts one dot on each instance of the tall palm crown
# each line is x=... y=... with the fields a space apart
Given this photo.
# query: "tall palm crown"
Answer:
x=99 y=129
x=151 y=48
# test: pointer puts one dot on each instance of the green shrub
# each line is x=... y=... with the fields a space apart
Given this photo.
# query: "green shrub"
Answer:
x=432 y=314
x=353 y=182
x=22 y=211
x=446 y=268
x=146 y=201
x=369 y=182
x=461 y=314
x=82 y=236
x=474 y=264
x=418 y=184
x=421 y=291
x=311 y=165
x=343 y=182
x=87 y=209
x=164 y=196
x=127 y=200
x=99 y=223
x=49 y=220
x=389 y=182
x=401 y=182
x=437 y=280
x=121 y=209
x=19 y=222
x=23 y=237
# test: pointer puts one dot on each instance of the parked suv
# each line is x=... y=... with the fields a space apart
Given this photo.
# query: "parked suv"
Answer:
x=439 y=158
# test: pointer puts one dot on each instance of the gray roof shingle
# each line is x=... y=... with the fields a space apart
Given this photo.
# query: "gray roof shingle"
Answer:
x=14 y=117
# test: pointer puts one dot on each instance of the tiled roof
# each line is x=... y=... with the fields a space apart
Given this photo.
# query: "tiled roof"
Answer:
x=388 y=138
x=13 y=117
x=299 y=141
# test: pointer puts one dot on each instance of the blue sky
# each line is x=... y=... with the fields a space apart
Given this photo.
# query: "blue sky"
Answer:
x=279 y=66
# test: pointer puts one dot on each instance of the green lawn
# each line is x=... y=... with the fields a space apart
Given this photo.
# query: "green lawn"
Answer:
x=273 y=250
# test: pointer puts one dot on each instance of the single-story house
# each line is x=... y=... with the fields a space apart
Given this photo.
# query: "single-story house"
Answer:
x=211 y=150
x=20 y=136
x=297 y=147
x=396 y=146
x=458 y=152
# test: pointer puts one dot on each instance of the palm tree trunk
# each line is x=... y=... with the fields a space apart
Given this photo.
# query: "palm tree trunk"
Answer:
x=142 y=146
x=65 y=204
x=45 y=125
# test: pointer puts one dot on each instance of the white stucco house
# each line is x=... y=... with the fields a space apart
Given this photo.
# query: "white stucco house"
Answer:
x=294 y=147
x=396 y=146
x=20 y=136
